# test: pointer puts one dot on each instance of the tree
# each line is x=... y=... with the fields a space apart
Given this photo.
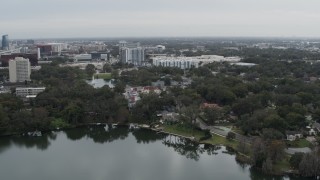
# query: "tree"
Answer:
x=296 y=159
x=4 y=120
x=122 y=115
x=275 y=150
x=258 y=153
x=212 y=115
x=243 y=147
x=107 y=68
x=73 y=113
x=271 y=134
x=275 y=121
x=119 y=87
x=167 y=81
x=90 y=70
x=267 y=166
x=231 y=135
x=310 y=165
x=115 y=74
x=190 y=114
x=246 y=105
x=240 y=90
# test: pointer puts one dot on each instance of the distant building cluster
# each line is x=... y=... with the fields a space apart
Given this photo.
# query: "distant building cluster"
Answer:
x=189 y=62
x=49 y=49
x=91 y=56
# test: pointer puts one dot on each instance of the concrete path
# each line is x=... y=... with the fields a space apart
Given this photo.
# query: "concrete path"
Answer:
x=298 y=150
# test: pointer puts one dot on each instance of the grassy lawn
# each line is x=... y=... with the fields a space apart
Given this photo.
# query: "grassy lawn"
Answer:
x=187 y=131
x=183 y=130
x=103 y=76
x=59 y=123
x=215 y=140
x=301 y=143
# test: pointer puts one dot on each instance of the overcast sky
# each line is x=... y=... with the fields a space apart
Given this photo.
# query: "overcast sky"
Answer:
x=151 y=18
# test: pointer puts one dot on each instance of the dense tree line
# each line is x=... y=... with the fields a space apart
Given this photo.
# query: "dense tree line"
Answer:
x=67 y=100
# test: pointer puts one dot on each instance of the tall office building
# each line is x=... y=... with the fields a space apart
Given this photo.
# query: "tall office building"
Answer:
x=19 y=70
x=133 y=56
x=5 y=42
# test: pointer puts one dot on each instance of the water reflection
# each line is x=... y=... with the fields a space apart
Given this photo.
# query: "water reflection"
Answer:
x=99 y=133
x=41 y=143
x=147 y=136
x=108 y=133
x=181 y=160
x=189 y=149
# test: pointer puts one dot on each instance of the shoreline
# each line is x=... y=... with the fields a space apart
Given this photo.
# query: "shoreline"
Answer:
x=242 y=158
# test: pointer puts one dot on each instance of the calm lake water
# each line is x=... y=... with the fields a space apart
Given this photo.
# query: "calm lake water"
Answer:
x=106 y=153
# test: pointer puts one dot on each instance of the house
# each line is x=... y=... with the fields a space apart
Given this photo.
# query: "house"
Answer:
x=148 y=89
x=293 y=135
x=210 y=106
x=159 y=84
x=170 y=116
x=312 y=132
x=316 y=127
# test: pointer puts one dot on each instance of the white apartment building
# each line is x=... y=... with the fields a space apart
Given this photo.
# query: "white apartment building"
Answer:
x=189 y=62
x=19 y=70
x=29 y=92
x=179 y=63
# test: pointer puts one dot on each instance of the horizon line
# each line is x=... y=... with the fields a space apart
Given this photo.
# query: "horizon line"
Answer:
x=170 y=37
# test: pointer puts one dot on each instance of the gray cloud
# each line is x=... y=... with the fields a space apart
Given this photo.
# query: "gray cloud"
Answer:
x=112 y=18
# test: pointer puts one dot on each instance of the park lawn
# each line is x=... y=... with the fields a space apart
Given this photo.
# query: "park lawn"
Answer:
x=300 y=143
x=184 y=131
x=219 y=140
x=103 y=76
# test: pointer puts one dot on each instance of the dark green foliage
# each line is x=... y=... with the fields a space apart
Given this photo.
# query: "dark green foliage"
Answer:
x=231 y=136
x=296 y=159
x=90 y=70
x=310 y=164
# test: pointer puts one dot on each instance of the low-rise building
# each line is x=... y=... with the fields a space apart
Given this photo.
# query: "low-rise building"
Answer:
x=149 y=89
x=316 y=127
x=293 y=135
x=29 y=92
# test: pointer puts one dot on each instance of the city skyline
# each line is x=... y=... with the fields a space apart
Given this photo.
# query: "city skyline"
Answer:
x=175 y=18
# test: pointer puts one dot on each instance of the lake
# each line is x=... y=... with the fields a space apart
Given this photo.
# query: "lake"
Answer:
x=117 y=153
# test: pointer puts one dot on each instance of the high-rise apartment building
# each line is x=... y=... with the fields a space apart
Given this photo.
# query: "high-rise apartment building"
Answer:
x=5 y=42
x=19 y=70
x=131 y=53
x=133 y=56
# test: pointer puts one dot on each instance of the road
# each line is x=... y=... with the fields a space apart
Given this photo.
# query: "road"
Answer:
x=222 y=131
